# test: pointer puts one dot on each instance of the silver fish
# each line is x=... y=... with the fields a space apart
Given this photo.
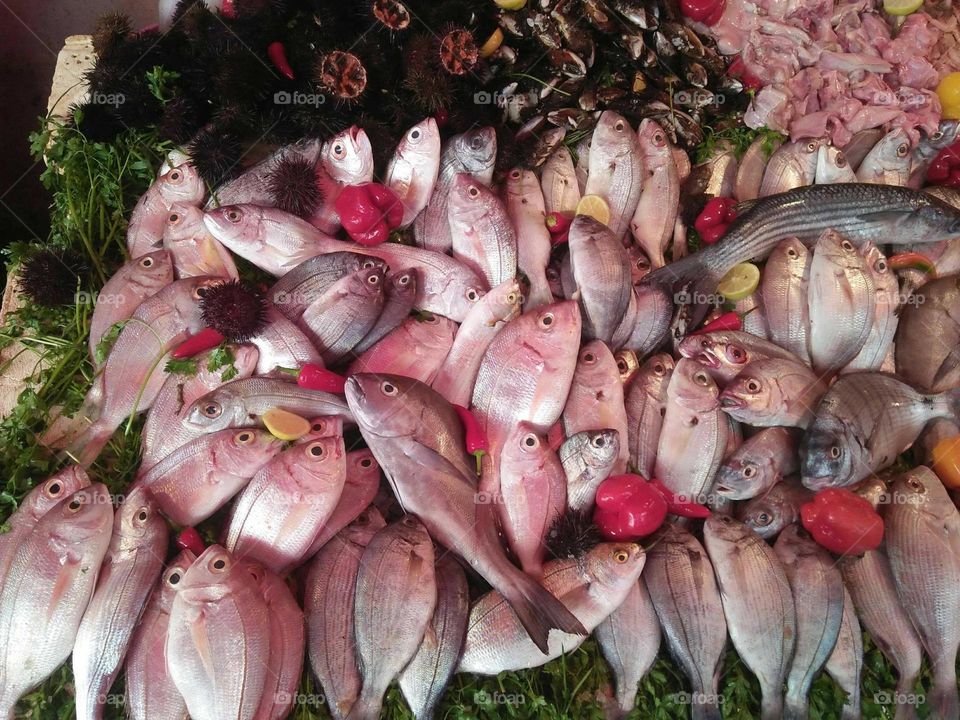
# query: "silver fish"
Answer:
x=181 y=184
x=417 y=349
x=725 y=353
x=615 y=169
x=646 y=404
x=846 y=661
x=588 y=458
x=785 y=286
x=778 y=507
x=759 y=463
x=345 y=159
x=879 y=343
x=752 y=166
x=401 y=293
x=646 y=322
x=483 y=237
x=928 y=336
x=832 y=166
x=558 y=179
x=309 y=280
x=861 y=143
x=601 y=273
x=774 y=392
x=413 y=169
x=282 y=344
x=889 y=161
x=793 y=165
x=527 y=211
x=653 y=222
x=193 y=250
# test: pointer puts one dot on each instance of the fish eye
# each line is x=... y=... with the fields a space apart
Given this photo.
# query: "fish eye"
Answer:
x=175 y=175
x=366 y=463
x=374 y=279
x=147 y=262
x=318 y=426
x=916 y=485
x=618 y=125
x=530 y=440
x=701 y=378
x=835 y=452
x=473 y=191
x=846 y=245
x=415 y=134
x=642 y=263
x=512 y=298
x=938 y=135
x=902 y=150
x=763 y=519
x=472 y=295
x=659 y=369
x=367 y=264
x=738 y=355
x=410 y=522
x=514 y=173
x=338 y=150
x=658 y=138
x=211 y=410
x=598 y=441
x=726 y=519
x=143 y=515
x=791 y=253
x=173 y=578
x=753 y=386
x=811 y=146
x=234 y=215
x=54 y=488
x=881 y=265
x=388 y=388
x=74 y=505
x=315 y=450
x=546 y=320
x=622 y=366
x=621 y=556
x=704 y=343
x=841 y=159
x=403 y=280
x=219 y=565
x=174 y=218
x=749 y=471
x=589 y=358
x=244 y=437
x=476 y=142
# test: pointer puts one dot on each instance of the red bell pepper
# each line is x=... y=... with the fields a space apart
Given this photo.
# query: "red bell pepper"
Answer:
x=189 y=539
x=945 y=168
x=715 y=218
x=678 y=505
x=474 y=437
x=727 y=321
x=842 y=522
x=278 y=56
x=368 y=212
x=628 y=508
x=708 y=12
x=206 y=339
x=317 y=377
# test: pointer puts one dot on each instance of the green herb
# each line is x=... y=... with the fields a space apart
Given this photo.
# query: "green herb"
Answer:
x=181 y=366
x=223 y=357
x=106 y=342
x=161 y=83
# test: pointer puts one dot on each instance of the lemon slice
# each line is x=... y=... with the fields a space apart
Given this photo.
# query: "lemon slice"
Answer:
x=284 y=425
x=902 y=7
x=949 y=92
x=739 y=282
x=492 y=43
x=510 y=4
x=594 y=206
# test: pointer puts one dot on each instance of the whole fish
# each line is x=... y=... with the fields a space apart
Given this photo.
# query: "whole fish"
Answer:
x=681 y=583
x=401 y=293
x=458 y=373
x=694 y=436
x=132 y=565
x=818 y=597
x=889 y=161
x=417 y=348
x=841 y=301
x=395 y=599
x=481 y=231
x=281 y=511
x=846 y=661
x=558 y=179
x=595 y=400
x=218 y=638
x=629 y=639
x=309 y=280
x=413 y=169
x=150 y=692
x=860 y=144
x=754 y=467
x=751 y=168
x=886 y=314
x=928 y=336
x=778 y=507
x=533 y=491
x=646 y=404
x=496 y=640
x=774 y=392
x=328 y=605
x=645 y=323
x=344 y=314
x=725 y=353
x=832 y=166
x=181 y=184
x=601 y=273
x=588 y=458
x=473 y=152
x=527 y=211
x=793 y=165
x=874 y=595
x=193 y=250
x=425 y=677
x=133 y=283
x=241 y=403
x=164 y=430
x=48 y=586
x=615 y=169
x=862 y=423
x=281 y=343
x=197 y=479
x=923 y=544
x=345 y=159
x=786 y=282
x=653 y=221
x=255 y=185
x=757 y=604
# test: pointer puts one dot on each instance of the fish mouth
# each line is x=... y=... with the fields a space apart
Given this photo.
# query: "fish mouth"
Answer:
x=708 y=358
x=731 y=401
x=819 y=482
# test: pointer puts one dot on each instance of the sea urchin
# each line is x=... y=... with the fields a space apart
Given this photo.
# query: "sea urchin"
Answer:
x=50 y=277
x=235 y=309
x=572 y=534
x=293 y=186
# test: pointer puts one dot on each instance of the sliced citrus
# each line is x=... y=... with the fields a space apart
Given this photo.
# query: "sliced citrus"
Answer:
x=284 y=425
x=946 y=461
x=739 y=282
x=949 y=93
x=902 y=7
x=594 y=206
x=510 y=4
x=491 y=44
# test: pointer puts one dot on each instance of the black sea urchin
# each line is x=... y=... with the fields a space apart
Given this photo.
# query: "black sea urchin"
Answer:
x=235 y=309
x=216 y=155
x=293 y=186
x=50 y=277
x=572 y=534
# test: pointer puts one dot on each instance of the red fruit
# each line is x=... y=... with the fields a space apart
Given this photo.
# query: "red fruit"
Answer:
x=705 y=11
x=727 y=321
x=474 y=437
x=278 y=56
x=842 y=522
x=714 y=213
x=388 y=203
x=206 y=339
x=678 y=505
x=628 y=508
x=713 y=234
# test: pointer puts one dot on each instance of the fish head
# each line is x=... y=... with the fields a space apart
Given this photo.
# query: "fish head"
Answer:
x=830 y=455
x=184 y=297
x=655 y=374
x=793 y=256
x=555 y=328
x=520 y=182
x=930 y=145
x=893 y=151
x=79 y=516
x=213 y=576
x=723 y=354
x=524 y=448
x=873 y=490
x=347 y=157
x=931 y=221
x=470 y=199
x=362 y=468
x=652 y=138
x=613 y=135
x=403 y=284
x=768 y=514
x=241 y=448
x=692 y=387
x=411 y=531
x=596 y=367
x=610 y=565
x=502 y=303
x=431 y=331
x=183 y=222
x=389 y=405
x=172 y=578
x=639 y=264
x=597 y=448
x=54 y=489
x=476 y=150
x=182 y=184
x=221 y=408
x=883 y=276
x=153 y=270
x=421 y=143
x=323 y=427
x=138 y=516
x=752 y=390
x=236 y=225
x=832 y=164
x=323 y=456
x=726 y=529
x=367 y=282
x=740 y=475
x=838 y=249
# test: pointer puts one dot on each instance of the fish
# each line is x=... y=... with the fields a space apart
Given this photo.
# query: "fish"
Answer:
x=133 y=562
x=558 y=180
x=841 y=299
x=309 y=280
x=818 y=598
x=832 y=166
x=860 y=144
x=694 y=435
x=133 y=283
x=473 y=152
x=889 y=161
x=422 y=474
x=181 y=184
x=150 y=692
x=629 y=639
x=328 y=604
x=653 y=221
x=218 y=638
x=412 y=171
x=785 y=287
x=886 y=314
x=757 y=465
x=928 y=336
x=163 y=430
x=846 y=661
x=862 y=423
x=241 y=403
x=646 y=322
x=873 y=592
x=197 y=479
x=615 y=169
x=527 y=211
x=725 y=353
x=281 y=511
x=646 y=404
x=757 y=603
x=400 y=294
x=595 y=400
x=456 y=377
x=928 y=148
x=588 y=458
x=533 y=494
x=425 y=677
x=49 y=583
x=714 y=177
x=752 y=166
x=680 y=580
x=282 y=344
x=344 y=314
x=778 y=507
x=395 y=598
x=601 y=273
x=753 y=314
x=482 y=234
x=774 y=392
x=254 y=185
x=496 y=641
x=922 y=541
x=792 y=165
x=345 y=159
x=193 y=250
x=417 y=348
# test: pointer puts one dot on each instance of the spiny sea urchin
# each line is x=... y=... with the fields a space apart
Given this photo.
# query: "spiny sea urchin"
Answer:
x=236 y=309
x=341 y=74
x=180 y=120
x=216 y=155
x=572 y=534
x=51 y=276
x=111 y=30
x=97 y=122
x=458 y=51
x=293 y=186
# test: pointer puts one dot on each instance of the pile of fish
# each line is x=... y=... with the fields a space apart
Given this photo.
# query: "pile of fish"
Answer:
x=565 y=358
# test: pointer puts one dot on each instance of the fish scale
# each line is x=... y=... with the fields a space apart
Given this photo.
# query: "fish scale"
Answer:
x=786 y=279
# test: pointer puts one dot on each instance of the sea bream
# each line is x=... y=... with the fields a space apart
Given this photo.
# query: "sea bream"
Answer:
x=413 y=169
x=616 y=169
x=181 y=184
x=193 y=249
x=653 y=221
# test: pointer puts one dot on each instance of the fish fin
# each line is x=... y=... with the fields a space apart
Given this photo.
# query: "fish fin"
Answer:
x=890 y=217
x=365 y=708
x=85 y=448
x=538 y=610
x=943 y=699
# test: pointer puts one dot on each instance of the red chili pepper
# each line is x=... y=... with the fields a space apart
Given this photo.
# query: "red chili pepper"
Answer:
x=474 y=437
x=278 y=56
x=912 y=261
x=206 y=339
x=317 y=377
x=228 y=9
x=368 y=212
x=628 y=508
x=679 y=505
x=705 y=11
x=727 y=321
x=843 y=522
x=189 y=539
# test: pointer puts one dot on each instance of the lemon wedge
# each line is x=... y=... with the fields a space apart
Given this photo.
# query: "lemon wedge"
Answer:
x=594 y=206
x=740 y=282
x=284 y=425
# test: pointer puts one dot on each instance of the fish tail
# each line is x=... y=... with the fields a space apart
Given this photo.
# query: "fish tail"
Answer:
x=85 y=448
x=366 y=707
x=943 y=699
x=905 y=685
x=538 y=610
x=771 y=704
x=795 y=708
x=705 y=707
